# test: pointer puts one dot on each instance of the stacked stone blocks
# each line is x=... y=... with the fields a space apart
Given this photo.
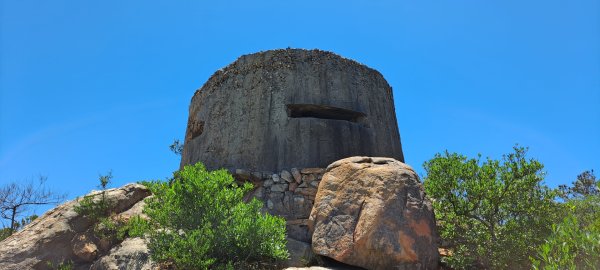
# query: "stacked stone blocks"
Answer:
x=289 y=194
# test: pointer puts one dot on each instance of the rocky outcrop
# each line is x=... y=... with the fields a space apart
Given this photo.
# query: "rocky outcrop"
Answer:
x=62 y=235
x=366 y=212
x=372 y=213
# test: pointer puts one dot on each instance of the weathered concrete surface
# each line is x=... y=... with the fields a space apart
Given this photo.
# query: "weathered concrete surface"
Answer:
x=373 y=213
x=281 y=109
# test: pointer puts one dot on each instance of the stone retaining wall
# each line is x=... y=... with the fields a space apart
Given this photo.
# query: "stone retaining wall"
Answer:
x=289 y=194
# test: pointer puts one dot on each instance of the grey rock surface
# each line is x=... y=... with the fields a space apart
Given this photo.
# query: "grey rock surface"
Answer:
x=287 y=176
x=131 y=254
x=297 y=175
x=300 y=253
x=325 y=268
x=281 y=109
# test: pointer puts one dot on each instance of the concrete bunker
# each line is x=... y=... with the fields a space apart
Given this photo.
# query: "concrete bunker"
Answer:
x=293 y=108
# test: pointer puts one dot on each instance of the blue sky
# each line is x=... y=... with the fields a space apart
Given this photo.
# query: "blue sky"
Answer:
x=87 y=87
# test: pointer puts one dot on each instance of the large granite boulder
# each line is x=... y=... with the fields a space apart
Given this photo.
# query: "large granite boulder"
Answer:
x=372 y=213
x=62 y=235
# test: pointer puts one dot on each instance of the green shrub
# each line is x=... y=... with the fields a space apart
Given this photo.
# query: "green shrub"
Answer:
x=200 y=221
x=96 y=206
x=135 y=227
x=107 y=228
x=64 y=265
x=5 y=233
x=575 y=242
x=117 y=229
x=492 y=214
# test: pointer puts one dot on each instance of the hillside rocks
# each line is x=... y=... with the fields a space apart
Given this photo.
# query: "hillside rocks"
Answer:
x=372 y=213
x=61 y=234
x=360 y=211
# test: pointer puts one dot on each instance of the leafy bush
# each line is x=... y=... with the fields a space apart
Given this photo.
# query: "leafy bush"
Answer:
x=64 y=265
x=95 y=206
x=135 y=227
x=5 y=233
x=115 y=228
x=200 y=221
x=575 y=242
x=492 y=214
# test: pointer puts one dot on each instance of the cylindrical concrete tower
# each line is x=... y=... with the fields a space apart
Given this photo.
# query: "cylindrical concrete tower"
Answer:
x=280 y=109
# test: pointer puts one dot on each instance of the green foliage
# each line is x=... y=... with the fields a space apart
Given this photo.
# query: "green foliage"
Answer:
x=27 y=220
x=64 y=265
x=96 y=206
x=176 y=147
x=5 y=233
x=116 y=229
x=199 y=221
x=585 y=185
x=108 y=228
x=492 y=213
x=135 y=227
x=575 y=242
x=105 y=179
x=569 y=247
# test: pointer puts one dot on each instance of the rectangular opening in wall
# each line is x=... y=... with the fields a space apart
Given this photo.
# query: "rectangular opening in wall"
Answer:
x=324 y=112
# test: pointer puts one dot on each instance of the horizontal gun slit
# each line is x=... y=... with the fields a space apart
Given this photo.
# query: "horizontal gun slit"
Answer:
x=324 y=112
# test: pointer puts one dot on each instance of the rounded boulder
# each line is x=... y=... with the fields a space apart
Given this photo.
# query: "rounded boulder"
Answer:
x=372 y=212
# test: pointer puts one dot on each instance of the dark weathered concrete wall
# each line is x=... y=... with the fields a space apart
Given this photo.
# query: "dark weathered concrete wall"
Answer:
x=262 y=113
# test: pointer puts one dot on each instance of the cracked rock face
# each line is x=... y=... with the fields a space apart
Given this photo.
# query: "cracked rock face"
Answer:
x=280 y=109
x=372 y=213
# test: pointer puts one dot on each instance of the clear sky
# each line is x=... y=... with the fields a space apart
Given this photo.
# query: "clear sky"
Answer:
x=92 y=86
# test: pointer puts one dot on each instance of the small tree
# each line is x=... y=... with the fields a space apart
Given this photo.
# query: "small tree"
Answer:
x=105 y=180
x=16 y=199
x=492 y=213
x=585 y=185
